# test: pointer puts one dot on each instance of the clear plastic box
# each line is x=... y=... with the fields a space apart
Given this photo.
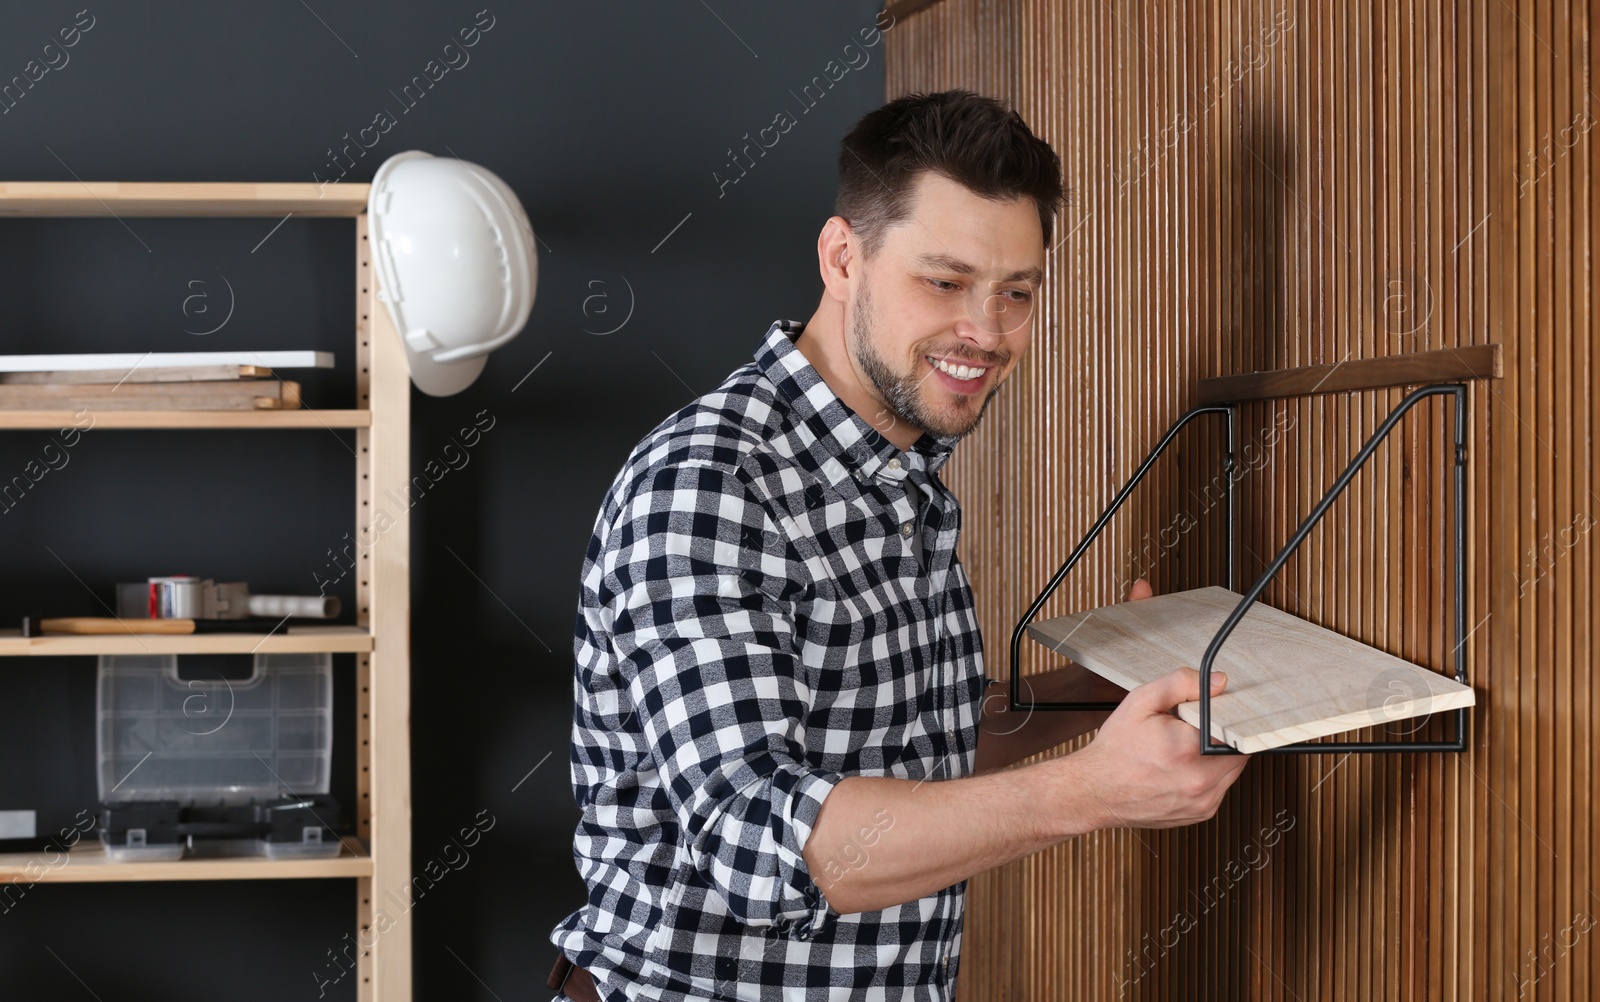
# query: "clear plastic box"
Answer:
x=214 y=742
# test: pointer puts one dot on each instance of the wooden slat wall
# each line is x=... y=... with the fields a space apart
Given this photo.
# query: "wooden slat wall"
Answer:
x=1256 y=187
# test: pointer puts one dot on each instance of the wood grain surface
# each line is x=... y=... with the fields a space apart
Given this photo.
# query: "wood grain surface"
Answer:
x=203 y=198
x=230 y=394
x=140 y=374
x=1446 y=365
x=1259 y=185
x=1289 y=680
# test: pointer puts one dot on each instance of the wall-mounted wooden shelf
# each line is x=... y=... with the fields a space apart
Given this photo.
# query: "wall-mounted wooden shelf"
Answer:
x=897 y=9
x=1288 y=680
x=21 y=420
x=1443 y=365
x=87 y=863
x=206 y=198
x=1288 y=731
x=293 y=640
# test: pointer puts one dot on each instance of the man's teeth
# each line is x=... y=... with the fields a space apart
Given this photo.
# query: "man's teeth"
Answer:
x=958 y=371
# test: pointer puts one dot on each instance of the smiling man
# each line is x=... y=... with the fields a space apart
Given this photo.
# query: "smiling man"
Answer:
x=785 y=763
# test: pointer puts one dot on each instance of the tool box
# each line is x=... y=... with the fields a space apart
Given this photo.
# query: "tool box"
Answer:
x=215 y=766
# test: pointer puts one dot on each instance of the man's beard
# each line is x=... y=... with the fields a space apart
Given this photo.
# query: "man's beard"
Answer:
x=899 y=392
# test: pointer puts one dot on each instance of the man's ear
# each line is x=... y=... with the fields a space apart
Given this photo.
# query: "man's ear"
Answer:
x=836 y=256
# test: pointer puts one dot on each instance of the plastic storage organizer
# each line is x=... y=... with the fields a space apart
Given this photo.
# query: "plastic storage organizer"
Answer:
x=214 y=743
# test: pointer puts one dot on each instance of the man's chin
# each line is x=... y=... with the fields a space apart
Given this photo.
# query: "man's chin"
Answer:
x=955 y=426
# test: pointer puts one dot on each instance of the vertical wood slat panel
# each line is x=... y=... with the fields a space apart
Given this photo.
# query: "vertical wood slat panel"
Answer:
x=1366 y=180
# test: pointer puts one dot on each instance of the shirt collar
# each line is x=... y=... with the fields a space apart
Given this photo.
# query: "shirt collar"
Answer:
x=840 y=444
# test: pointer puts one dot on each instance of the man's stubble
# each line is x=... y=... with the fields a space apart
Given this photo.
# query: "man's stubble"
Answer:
x=899 y=392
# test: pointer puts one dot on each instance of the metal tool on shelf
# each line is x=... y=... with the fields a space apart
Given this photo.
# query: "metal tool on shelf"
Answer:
x=189 y=597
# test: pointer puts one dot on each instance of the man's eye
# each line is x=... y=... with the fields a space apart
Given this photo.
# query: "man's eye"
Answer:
x=1019 y=295
x=942 y=285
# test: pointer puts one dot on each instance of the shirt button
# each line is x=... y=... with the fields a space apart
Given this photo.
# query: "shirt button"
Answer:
x=907 y=529
x=945 y=963
x=894 y=463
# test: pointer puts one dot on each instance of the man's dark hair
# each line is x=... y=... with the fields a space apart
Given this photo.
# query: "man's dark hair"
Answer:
x=973 y=140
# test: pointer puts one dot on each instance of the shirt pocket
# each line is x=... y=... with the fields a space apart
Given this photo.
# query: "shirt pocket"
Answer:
x=867 y=617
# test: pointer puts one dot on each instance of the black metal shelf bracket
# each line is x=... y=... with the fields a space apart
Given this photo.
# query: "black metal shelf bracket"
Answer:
x=1458 y=651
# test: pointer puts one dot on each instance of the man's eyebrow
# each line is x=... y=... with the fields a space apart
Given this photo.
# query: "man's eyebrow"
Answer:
x=945 y=262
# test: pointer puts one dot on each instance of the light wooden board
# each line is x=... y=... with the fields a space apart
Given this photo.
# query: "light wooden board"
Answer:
x=183 y=198
x=1288 y=680
x=226 y=394
x=383 y=603
x=139 y=374
x=87 y=862
x=99 y=419
x=289 y=639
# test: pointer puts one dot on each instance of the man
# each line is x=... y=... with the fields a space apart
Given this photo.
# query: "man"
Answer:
x=776 y=740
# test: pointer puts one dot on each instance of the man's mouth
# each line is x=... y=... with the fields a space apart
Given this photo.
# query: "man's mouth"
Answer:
x=957 y=370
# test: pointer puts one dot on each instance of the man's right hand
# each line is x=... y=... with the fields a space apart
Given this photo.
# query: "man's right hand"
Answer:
x=895 y=840
x=1144 y=769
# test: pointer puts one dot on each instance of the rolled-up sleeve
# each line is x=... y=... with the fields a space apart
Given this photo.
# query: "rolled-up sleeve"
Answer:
x=701 y=596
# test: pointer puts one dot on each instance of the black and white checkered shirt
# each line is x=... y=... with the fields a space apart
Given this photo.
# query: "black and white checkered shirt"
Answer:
x=760 y=617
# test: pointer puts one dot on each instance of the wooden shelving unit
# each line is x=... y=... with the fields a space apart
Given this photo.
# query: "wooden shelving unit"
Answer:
x=378 y=854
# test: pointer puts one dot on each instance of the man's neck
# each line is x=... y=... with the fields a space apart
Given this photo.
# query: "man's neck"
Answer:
x=822 y=342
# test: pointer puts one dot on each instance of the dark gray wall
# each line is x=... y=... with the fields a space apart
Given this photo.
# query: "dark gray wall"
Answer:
x=608 y=120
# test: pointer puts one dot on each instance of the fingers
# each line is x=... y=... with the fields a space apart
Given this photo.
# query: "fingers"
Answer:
x=1165 y=693
x=1227 y=771
x=1141 y=589
x=1226 y=776
x=1244 y=760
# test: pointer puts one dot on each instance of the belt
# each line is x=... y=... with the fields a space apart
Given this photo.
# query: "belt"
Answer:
x=572 y=981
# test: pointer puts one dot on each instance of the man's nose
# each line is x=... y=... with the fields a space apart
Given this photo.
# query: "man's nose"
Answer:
x=987 y=337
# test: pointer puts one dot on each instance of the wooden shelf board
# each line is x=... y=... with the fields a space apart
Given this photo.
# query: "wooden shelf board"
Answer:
x=1288 y=680
x=1444 y=365
x=189 y=419
x=290 y=640
x=206 y=198
x=896 y=9
x=87 y=863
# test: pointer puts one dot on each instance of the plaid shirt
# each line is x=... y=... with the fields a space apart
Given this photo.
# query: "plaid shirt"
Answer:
x=761 y=617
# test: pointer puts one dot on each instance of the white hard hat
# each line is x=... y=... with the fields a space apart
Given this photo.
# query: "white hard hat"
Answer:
x=456 y=264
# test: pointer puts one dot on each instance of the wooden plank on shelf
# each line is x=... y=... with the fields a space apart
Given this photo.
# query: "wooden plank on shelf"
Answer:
x=1288 y=680
x=290 y=640
x=1446 y=365
x=117 y=625
x=87 y=862
x=58 y=419
x=229 y=394
x=140 y=374
x=203 y=198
